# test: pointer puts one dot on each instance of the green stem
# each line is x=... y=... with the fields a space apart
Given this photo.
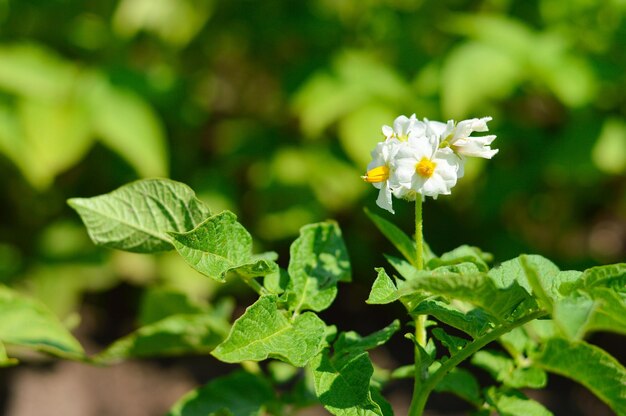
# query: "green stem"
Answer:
x=419 y=400
x=419 y=238
x=420 y=321
x=256 y=286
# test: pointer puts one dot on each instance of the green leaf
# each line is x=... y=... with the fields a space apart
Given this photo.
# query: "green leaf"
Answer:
x=514 y=403
x=127 y=124
x=351 y=342
x=535 y=282
x=403 y=267
x=452 y=343
x=479 y=290
x=474 y=322
x=342 y=381
x=503 y=369
x=401 y=241
x=174 y=335
x=596 y=302
x=237 y=394
x=137 y=217
x=588 y=365
x=343 y=385
x=549 y=276
x=462 y=254
x=265 y=331
x=319 y=260
x=384 y=290
x=26 y=322
x=461 y=383
x=612 y=276
x=219 y=245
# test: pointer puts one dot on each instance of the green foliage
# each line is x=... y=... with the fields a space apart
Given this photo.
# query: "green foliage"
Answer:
x=137 y=217
x=319 y=260
x=219 y=245
x=28 y=323
x=175 y=335
x=589 y=365
x=342 y=378
x=270 y=111
x=265 y=331
x=223 y=397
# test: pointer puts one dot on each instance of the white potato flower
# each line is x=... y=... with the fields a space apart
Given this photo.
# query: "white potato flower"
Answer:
x=458 y=138
x=424 y=158
x=424 y=168
x=403 y=128
x=381 y=171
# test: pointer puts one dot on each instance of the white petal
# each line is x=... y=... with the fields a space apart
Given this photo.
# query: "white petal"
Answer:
x=437 y=127
x=384 y=198
x=387 y=131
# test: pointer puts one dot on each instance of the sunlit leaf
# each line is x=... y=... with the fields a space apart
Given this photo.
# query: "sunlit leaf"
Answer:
x=264 y=331
x=342 y=379
x=318 y=261
x=384 y=290
x=219 y=245
x=588 y=365
x=500 y=303
x=138 y=216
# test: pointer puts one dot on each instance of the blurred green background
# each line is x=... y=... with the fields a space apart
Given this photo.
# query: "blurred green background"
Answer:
x=270 y=109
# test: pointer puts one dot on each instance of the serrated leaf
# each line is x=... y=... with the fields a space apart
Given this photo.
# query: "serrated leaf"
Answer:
x=342 y=380
x=221 y=244
x=343 y=387
x=514 y=403
x=474 y=322
x=452 y=343
x=27 y=322
x=264 y=331
x=319 y=260
x=383 y=290
x=549 y=275
x=461 y=383
x=462 y=254
x=137 y=217
x=588 y=365
x=175 y=335
x=500 y=303
x=237 y=394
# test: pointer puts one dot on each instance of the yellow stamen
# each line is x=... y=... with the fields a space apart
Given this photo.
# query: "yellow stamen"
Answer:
x=425 y=167
x=378 y=174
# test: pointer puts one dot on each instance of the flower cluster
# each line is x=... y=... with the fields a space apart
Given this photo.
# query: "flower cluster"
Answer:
x=424 y=157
